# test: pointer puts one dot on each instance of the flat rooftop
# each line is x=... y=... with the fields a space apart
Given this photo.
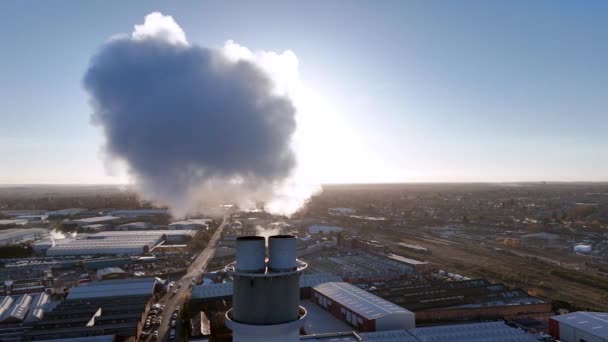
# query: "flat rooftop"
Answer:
x=96 y=219
x=319 y=321
x=594 y=323
x=9 y=222
x=18 y=232
x=360 y=301
x=475 y=332
x=114 y=288
x=407 y=260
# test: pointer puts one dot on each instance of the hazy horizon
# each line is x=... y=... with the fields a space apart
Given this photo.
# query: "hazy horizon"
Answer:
x=391 y=92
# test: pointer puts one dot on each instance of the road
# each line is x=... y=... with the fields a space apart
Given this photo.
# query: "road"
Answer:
x=195 y=270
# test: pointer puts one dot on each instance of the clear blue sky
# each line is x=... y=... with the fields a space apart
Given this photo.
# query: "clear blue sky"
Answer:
x=432 y=90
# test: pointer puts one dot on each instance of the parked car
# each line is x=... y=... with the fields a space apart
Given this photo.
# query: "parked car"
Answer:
x=172 y=334
x=147 y=325
x=173 y=323
x=155 y=335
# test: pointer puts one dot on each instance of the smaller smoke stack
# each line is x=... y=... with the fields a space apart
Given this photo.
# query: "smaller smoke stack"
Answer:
x=250 y=254
x=282 y=253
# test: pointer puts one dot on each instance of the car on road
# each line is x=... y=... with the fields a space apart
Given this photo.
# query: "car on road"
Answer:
x=175 y=292
x=172 y=334
x=155 y=335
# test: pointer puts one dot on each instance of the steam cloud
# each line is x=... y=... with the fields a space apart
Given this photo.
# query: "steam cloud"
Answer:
x=195 y=126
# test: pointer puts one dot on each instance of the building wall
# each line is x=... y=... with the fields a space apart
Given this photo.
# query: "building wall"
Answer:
x=396 y=321
x=540 y=312
x=567 y=333
x=351 y=318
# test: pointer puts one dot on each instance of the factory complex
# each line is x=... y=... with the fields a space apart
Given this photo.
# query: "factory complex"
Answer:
x=112 y=242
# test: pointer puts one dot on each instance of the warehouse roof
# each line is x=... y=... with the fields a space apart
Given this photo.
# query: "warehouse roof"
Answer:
x=360 y=301
x=103 y=338
x=109 y=270
x=407 y=260
x=114 y=288
x=139 y=225
x=474 y=332
x=97 y=219
x=202 y=222
x=19 y=232
x=9 y=222
x=594 y=323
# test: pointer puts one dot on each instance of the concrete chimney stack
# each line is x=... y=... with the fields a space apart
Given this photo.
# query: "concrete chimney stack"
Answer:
x=266 y=295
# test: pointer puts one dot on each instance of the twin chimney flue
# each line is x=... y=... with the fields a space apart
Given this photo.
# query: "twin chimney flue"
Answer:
x=266 y=291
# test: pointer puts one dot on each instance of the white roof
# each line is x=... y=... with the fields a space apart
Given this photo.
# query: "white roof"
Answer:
x=360 y=301
x=97 y=219
x=7 y=222
x=407 y=260
x=202 y=222
x=594 y=323
x=135 y=224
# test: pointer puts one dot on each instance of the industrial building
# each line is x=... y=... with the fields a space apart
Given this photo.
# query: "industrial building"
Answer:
x=66 y=212
x=473 y=332
x=191 y=224
x=114 y=307
x=544 y=240
x=361 y=309
x=95 y=220
x=324 y=229
x=109 y=273
x=12 y=222
x=138 y=212
x=112 y=242
x=357 y=266
x=32 y=218
x=417 y=265
x=15 y=235
x=22 y=279
x=341 y=211
x=133 y=226
x=23 y=308
x=580 y=326
x=466 y=300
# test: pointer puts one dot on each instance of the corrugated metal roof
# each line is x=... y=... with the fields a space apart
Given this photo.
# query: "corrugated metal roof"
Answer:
x=114 y=288
x=360 y=301
x=97 y=219
x=474 y=332
x=594 y=323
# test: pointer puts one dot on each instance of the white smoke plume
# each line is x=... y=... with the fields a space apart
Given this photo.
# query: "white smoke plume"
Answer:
x=199 y=126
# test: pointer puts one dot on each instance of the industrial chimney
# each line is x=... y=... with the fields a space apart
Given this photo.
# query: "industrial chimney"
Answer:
x=266 y=295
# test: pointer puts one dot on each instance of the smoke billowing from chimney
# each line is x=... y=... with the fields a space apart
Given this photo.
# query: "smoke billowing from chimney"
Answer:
x=195 y=126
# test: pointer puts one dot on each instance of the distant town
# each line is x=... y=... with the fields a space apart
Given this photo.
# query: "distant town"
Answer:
x=382 y=262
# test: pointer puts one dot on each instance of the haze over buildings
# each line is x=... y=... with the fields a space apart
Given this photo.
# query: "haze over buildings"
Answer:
x=473 y=91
